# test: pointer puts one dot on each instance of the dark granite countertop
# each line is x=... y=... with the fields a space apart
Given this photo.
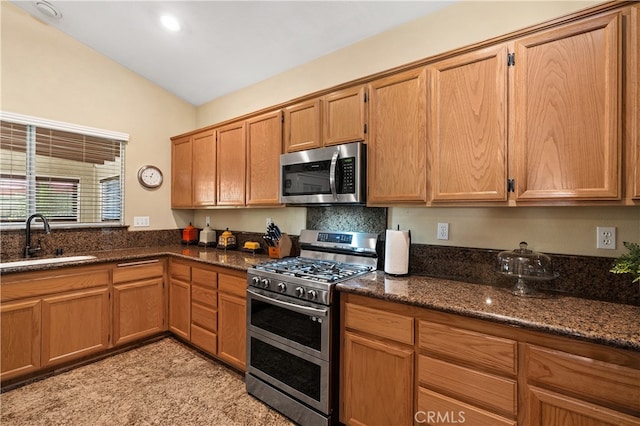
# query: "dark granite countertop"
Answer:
x=606 y=323
x=234 y=259
x=612 y=324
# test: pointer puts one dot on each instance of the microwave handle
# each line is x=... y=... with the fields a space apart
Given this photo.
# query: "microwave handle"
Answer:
x=332 y=174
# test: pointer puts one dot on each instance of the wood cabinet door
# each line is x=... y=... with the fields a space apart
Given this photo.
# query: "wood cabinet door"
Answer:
x=20 y=336
x=344 y=116
x=468 y=126
x=396 y=158
x=231 y=145
x=632 y=101
x=180 y=308
x=377 y=382
x=232 y=344
x=264 y=146
x=567 y=112
x=181 y=189
x=302 y=126
x=204 y=168
x=547 y=408
x=138 y=310
x=75 y=325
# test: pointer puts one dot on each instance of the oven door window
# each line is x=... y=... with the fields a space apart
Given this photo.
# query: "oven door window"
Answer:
x=299 y=374
x=305 y=330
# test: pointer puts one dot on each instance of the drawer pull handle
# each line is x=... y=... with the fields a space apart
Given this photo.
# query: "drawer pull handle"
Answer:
x=140 y=262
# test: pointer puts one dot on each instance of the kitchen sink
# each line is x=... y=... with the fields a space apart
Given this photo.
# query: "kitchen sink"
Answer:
x=43 y=261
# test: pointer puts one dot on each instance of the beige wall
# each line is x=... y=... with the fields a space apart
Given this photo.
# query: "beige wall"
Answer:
x=45 y=73
x=568 y=230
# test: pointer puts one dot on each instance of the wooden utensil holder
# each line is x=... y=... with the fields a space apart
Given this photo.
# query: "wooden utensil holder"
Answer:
x=283 y=249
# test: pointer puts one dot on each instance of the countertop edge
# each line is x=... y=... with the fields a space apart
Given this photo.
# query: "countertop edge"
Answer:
x=619 y=341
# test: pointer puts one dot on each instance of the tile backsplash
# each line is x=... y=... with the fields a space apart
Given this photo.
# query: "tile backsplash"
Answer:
x=580 y=276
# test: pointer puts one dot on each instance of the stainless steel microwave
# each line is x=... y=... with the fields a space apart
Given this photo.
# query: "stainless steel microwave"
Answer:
x=332 y=175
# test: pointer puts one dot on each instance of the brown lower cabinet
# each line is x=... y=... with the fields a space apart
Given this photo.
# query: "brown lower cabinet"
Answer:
x=470 y=371
x=53 y=317
x=138 y=300
x=207 y=307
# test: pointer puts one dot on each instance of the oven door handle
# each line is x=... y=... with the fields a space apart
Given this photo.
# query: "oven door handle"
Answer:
x=332 y=174
x=305 y=310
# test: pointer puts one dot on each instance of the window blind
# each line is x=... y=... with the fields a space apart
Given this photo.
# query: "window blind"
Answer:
x=67 y=176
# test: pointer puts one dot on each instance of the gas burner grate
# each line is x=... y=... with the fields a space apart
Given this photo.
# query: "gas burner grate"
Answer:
x=315 y=270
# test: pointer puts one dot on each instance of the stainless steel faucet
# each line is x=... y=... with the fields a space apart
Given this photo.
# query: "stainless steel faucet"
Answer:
x=28 y=250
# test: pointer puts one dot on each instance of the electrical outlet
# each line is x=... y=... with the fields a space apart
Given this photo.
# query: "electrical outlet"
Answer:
x=269 y=221
x=606 y=237
x=140 y=221
x=443 y=231
x=207 y=221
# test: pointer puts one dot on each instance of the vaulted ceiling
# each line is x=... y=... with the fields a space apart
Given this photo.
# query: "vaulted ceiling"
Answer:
x=222 y=46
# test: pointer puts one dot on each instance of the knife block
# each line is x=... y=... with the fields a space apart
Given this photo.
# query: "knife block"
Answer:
x=283 y=249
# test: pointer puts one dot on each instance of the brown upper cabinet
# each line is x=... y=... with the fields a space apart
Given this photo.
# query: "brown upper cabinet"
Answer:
x=547 y=115
x=632 y=100
x=567 y=112
x=302 y=126
x=396 y=157
x=551 y=102
x=264 y=146
x=204 y=169
x=193 y=170
x=232 y=165
x=344 y=116
x=468 y=126
x=181 y=195
x=231 y=149
x=336 y=118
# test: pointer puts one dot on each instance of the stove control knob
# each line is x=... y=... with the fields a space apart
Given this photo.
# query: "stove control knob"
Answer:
x=299 y=291
x=312 y=294
x=265 y=282
x=282 y=287
x=255 y=281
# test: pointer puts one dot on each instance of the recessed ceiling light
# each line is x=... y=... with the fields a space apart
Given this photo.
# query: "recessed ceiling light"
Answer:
x=170 y=22
x=48 y=10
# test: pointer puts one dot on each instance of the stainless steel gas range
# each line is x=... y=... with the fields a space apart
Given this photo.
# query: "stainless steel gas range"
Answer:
x=292 y=323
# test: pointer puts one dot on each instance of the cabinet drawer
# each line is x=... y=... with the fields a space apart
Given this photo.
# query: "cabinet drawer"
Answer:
x=379 y=323
x=204 y=317
x=32 y=284
x=469 y=346
x=204 y=277
x=134 y=271
x=614 y=383
x=434 y=408
x=478 y=388
x=233 y=285
x=180 y=271
x=204 y=296
x=204 y=339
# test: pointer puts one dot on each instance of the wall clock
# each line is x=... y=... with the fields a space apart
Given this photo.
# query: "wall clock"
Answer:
x=150 y=176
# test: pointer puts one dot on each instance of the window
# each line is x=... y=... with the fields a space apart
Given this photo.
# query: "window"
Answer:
x=68 y=173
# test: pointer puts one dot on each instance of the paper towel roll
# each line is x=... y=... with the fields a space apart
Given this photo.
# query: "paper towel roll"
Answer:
x=396 y=252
